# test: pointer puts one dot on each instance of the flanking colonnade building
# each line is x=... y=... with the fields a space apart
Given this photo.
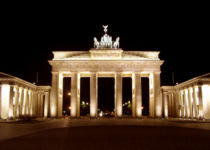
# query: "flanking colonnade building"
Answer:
x=20 y=99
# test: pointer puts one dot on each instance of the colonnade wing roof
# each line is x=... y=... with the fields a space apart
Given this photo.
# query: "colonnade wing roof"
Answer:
x=4 y=75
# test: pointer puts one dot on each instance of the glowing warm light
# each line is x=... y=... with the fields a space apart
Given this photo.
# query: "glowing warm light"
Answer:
x=69 y=107
x=142 y=107
x=101 y=114
x=206 y=101
x=69 y=93
x=5 y=96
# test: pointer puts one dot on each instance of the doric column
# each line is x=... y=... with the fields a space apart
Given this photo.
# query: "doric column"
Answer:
x=54 y=95
x=157 y=95
x=34 y=104
x=93 y=95
x=195 y=102
x=39 y=104
x=200 y=98
x=155 y=102
x=75 y=95
x=46 y=104
x=0 y=100
x=15 y=112
x=11 y=101
x=5 y=99
x=182 y=103
x=165 y=101
x=21 y=97
x=169 y=105
x=31 y=103
x=190 y=102
x=138 y=95
x=60 y=95
x=27 y=102
x=118 y=94
x=25 y=99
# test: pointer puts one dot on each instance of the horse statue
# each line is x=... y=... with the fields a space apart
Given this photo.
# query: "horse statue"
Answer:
x=96 y=43
x=116 y=43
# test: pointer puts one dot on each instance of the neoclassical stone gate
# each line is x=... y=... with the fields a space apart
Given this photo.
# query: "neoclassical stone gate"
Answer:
x=106 y=60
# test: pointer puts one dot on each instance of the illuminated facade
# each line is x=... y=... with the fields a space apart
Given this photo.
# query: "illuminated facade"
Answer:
x=106 y=60
x=190 y=99
x=19 y=98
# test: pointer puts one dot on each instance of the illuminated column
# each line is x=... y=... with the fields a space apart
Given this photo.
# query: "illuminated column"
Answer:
x=165 y=97
x=155 y=102
x=5 y=99
x=186 y=104
x=54 y=95
x=31 y=103
x=93 y=95
x=200 y=98
x=157 y=95
x=190 y=102
x=182 y=103
x=34 y=105
x=75 y=95
x=16 y=112
x=38 y=104
x=118 y=95
x=138 y=95
x=41 y=105
x=46 y=104
x=21 y=96
x=151 y=96
x=60 y=96
x=169 y=105
x=25 y=98
x=11 y=101
x=27 y=102
x=195 y=102
x=133 y=95
x=0 y=101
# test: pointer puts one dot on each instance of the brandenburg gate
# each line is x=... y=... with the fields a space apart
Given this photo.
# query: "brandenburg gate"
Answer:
x=106 y=59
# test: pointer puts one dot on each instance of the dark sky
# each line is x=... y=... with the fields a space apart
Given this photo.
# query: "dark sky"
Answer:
x=30 y=32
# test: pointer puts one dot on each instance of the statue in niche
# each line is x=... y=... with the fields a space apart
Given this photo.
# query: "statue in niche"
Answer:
x=116 y=43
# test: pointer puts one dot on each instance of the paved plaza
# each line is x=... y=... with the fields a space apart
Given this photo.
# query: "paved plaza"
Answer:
x=105 y=134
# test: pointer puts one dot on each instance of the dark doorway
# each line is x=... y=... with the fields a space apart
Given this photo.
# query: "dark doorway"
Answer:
x=84 y=96
x=106 y=95
x=127 y=96
x=66 y=95
x=145 y=96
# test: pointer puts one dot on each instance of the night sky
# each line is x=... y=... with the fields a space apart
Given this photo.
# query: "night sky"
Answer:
x=30 y=32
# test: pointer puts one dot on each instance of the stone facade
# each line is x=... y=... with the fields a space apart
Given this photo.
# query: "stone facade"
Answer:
x=97 y=63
